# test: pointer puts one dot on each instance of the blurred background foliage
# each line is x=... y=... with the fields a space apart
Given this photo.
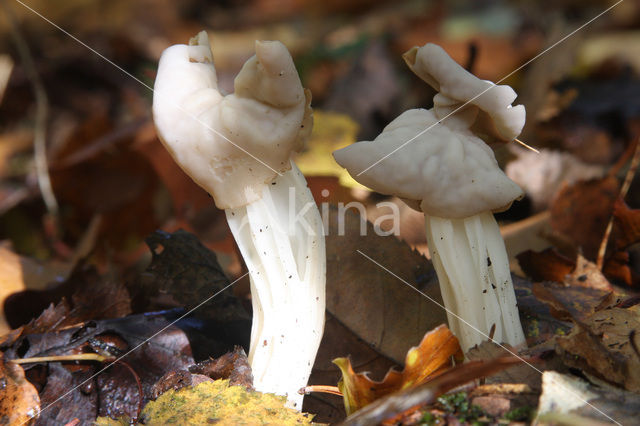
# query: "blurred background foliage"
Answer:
x=75 y=108
x=114 y=182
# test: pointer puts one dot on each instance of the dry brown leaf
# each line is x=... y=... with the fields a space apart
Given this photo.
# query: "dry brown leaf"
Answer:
x=19 y=400
x=547 y=265
x=378 y=307
x=10 y=338
x=570 y=302
x=84 y=295
x=580 y=213
x=49 y=320
x=627 y=225
x=232 y=366
x=183 y=270
x=120 y=185
x=430 y=358
x=113 y=392
x=605 y=345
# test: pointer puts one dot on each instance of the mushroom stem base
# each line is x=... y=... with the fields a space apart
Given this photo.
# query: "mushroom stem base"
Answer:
x=473 y=270
x=281 y=239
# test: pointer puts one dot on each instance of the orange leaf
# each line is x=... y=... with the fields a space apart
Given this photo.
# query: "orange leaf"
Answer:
x=430 y=358
x=390 y=406
x=19 y=400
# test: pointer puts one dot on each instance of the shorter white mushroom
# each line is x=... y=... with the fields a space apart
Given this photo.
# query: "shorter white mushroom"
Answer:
x=453 y=177
x=238 y=148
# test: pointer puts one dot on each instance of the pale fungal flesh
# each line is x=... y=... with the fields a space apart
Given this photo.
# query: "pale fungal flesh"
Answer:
x=238 y=148
x=232 y=144
x=466 y=100
x=286 y=258
x=452 y=175
x=469 y=258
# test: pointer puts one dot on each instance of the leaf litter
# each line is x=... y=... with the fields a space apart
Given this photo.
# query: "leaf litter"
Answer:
x=107 y=168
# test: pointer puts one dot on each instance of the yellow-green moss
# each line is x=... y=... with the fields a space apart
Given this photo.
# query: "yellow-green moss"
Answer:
x=220 y=404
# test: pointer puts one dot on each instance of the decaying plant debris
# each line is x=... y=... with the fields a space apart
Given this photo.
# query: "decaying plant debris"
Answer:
x=122 y=289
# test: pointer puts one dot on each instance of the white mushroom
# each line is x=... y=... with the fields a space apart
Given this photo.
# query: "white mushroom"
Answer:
x=237 y=147
x=454 y=178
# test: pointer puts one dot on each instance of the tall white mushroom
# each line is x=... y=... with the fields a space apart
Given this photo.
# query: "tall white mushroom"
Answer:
x=452 y=175
x=238 y=147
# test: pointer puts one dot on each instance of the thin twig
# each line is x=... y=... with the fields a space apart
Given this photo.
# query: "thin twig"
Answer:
x=633 y=168
x=42 y=112
x=58 y=358
x=333 y=390
x=529 y=147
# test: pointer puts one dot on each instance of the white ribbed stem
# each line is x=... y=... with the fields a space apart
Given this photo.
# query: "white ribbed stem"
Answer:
x=473 y=270
x=281 y=240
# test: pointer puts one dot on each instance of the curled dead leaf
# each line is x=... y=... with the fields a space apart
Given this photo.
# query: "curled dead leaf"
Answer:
x=430 y=358
x=426 y=393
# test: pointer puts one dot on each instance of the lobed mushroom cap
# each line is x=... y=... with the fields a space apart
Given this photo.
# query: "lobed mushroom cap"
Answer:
x=496 y=119
x=231 y=145
x=451 y=173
